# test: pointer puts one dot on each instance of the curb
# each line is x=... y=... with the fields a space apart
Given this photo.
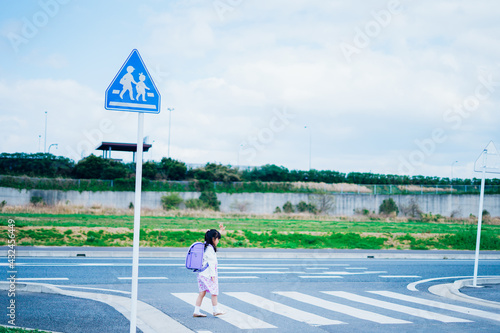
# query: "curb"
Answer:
x=452 y=291
x=149 y=318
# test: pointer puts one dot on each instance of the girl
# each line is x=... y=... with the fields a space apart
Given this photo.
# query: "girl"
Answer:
x=208 y=279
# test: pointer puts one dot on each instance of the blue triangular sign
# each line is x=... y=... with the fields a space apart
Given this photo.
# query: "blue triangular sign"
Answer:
x=133 y=89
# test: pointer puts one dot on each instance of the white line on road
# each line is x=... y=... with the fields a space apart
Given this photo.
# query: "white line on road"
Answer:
x=400 y=276
x=144 y=278
x=397 y=307
x=268 y=272
x=345 y=309
x=281 y=309
x=42 y=279
x=446 y=306
x=233 y=317
x=350 y=273
x=238 y=277
x=320 y=277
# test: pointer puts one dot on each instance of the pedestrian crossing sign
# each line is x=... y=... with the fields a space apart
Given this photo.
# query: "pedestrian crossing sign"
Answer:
x=133 y=88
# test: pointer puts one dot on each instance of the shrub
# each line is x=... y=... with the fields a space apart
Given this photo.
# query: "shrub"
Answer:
x=412 y=209
x=171 y=201
x=36 y=200
x=3 y=204
x=277 y=210
x=388 y=207
x=196 y=204
x=302 y=206
x=288 y=207
x=210 y=199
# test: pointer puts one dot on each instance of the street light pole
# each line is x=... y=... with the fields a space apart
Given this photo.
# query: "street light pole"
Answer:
x=169 y=126
x=310 y=145
x=45 y=141
x=451 y=180
x=54 y=144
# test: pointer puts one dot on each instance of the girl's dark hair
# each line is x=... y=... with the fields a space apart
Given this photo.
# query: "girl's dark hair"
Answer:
x=209 y=238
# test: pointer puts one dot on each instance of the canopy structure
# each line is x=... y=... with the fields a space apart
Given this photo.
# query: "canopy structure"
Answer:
x=107 y=147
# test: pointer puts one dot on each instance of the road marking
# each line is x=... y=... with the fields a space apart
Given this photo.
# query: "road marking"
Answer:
x=248 y=268
x=356 y=268
x=317 y=267
x=350 y=273
x=345 y=309
x=268 y=272
x=88 y=288
x=397 y=307
x=413 y=286
x=400 y=276
x=144 y=278
x=281 y=309
x=440 y=305
x=238 y=277
x=233 y=317
x=42 y=279
x=320 y=277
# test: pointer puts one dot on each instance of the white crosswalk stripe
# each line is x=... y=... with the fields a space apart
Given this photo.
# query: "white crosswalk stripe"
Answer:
x=260 y=307
x=397 y=307
x=281 y=309
x=345 y=309
x=456 y=308
x=233 y=317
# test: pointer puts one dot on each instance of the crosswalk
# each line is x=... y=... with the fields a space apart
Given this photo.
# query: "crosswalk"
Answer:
x=250 y=311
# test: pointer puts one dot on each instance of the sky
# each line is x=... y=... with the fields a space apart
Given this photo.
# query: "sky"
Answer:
x=391 y=87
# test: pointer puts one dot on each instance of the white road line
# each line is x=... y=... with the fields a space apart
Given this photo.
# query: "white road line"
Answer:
x=318 y=268
x=413 y=286
x=397 y=307
x=42 y=279
x=281 y=309
x=248 y=268
x=233 y=317
x=400 y=276
x=440 y=305
x=356 y=268
x=268 y=272
x=238 y=277
x=341 y=308
x=320 y=277
x=350 y=273
x=89 y=288
x=144 y=278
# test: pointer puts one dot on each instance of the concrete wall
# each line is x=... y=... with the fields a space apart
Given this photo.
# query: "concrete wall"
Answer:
x=260 y=203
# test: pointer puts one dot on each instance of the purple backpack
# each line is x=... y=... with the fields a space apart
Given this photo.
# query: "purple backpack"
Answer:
x=194 y=257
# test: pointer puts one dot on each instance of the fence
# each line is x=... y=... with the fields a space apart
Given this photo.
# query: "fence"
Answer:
x=96 y=185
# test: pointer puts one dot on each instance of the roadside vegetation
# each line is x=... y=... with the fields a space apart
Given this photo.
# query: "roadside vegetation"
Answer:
x=4 y=329
x=93 y=173
x=37 y=226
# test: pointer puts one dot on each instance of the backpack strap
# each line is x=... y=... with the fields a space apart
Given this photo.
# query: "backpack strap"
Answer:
x=201 y=270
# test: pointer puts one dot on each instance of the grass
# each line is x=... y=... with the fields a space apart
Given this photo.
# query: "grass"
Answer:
x=4 y=329
x=180 y=229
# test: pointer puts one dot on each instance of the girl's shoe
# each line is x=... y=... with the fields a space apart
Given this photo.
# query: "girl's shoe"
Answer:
x=199 y=315
x=219 y=313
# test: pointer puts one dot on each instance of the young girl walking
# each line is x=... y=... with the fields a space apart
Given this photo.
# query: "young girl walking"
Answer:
x=208 y=278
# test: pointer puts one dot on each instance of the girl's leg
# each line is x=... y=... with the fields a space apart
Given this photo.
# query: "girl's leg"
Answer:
x=201 y=295
x=217 y=311
x=214 y=300
x=197 y=312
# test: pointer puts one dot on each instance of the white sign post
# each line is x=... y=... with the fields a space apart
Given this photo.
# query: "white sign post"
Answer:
x=488 y=161
x=127 y=92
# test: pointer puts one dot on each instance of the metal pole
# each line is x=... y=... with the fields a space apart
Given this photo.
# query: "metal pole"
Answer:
x=137 y=223
x=45 y=141
x=479 y=220
x=169 y=122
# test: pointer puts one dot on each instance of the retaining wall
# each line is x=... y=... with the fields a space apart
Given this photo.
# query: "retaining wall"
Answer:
x=261 y=203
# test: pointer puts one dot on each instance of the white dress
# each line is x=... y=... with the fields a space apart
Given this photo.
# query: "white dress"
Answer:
x=205 y=282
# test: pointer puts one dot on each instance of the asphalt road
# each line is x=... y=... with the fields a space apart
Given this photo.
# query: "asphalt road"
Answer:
x=260 y=295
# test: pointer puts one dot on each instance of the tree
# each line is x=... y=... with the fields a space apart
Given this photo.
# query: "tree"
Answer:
x=324 y=202
x=388 y=207
x=94 y=167
x=210 y=199
x=172 y=169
